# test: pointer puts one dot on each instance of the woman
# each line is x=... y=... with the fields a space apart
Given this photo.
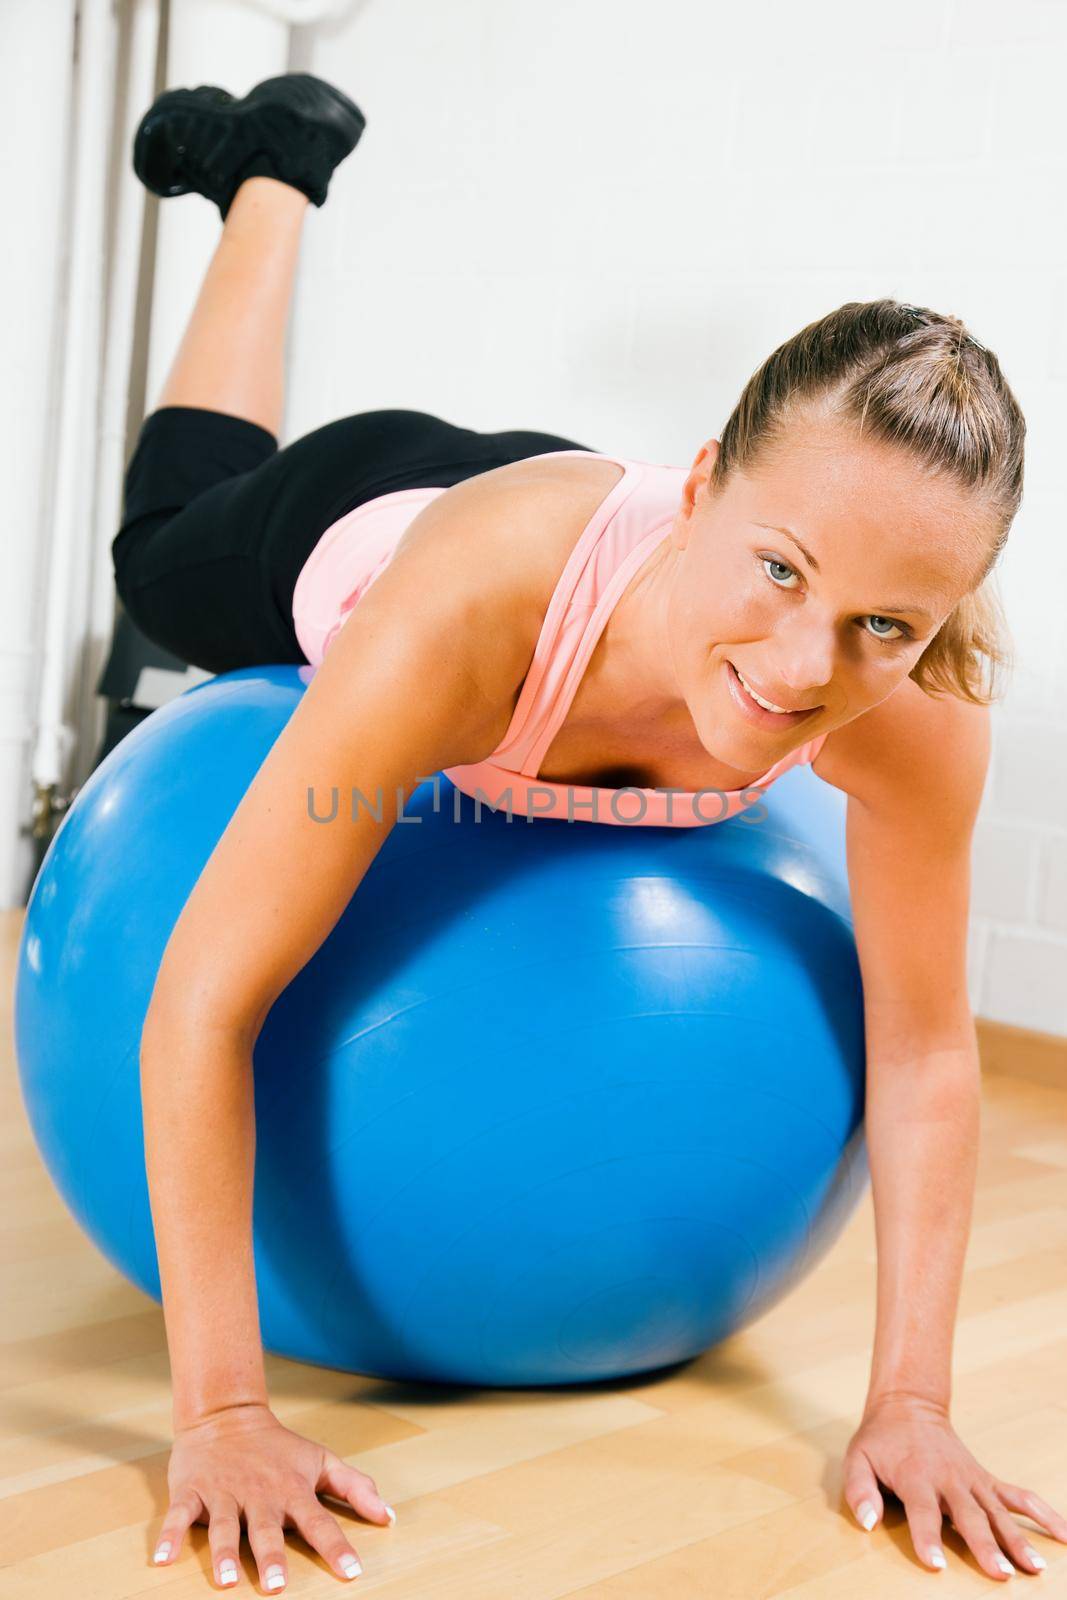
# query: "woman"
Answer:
x=537 y=617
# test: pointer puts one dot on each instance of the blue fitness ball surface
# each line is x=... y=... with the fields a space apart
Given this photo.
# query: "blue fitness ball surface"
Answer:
x=553 y=1102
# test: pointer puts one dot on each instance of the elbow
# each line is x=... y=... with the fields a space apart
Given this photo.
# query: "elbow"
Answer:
x=191 y=1010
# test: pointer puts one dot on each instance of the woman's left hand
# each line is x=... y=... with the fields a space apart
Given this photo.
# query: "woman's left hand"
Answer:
x=910 y=1445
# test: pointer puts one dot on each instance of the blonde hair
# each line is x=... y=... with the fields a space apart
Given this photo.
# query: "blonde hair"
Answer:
x=914 y=378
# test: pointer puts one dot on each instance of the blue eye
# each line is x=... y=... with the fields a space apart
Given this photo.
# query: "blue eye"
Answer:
x=770 y=561
x=783 y=567
x=900 y=634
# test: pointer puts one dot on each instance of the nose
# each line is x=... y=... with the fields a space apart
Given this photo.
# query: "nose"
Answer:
x=804 y=658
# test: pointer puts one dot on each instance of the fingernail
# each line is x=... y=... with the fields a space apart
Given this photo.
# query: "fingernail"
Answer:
x=866 y=1515
x=228 y=1572
x=274 y=1578
x=162 y=1552
x=1005 y=1565
x=1034 y=1558
x=391 y=1514
x=937 y=1558
x=350 y=1566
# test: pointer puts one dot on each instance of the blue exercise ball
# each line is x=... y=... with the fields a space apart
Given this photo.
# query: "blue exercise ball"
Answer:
x=553 y=1102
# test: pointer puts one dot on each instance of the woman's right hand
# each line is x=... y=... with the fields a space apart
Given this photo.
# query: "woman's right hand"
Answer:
x=244 y=1460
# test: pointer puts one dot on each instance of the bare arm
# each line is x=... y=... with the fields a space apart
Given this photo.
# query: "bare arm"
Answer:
x=914 y=770
x=420 y=677
x=909 y=864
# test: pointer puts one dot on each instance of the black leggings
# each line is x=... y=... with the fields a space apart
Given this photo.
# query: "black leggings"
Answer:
x=217 y=521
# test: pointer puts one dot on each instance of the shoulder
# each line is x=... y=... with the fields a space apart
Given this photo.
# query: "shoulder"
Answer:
x=526 y=516
x=483 y=560
x=914 y=755
x=567 y=488
x=504 y=536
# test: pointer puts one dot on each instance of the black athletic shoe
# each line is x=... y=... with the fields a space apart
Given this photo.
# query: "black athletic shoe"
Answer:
x=296 y=128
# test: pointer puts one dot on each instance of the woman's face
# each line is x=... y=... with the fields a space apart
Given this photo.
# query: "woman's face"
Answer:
x=890 y=551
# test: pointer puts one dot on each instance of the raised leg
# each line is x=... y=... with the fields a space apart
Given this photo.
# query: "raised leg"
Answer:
x=232 y=354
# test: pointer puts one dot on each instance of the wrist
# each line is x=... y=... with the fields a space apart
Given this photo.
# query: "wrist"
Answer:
x=929 y=1402
x=188 y=1416
x=902 y=1377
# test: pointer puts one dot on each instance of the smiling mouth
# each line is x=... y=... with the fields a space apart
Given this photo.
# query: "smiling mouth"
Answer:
x=759 y=709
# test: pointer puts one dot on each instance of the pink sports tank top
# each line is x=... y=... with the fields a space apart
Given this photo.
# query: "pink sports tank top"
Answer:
x=623 y=531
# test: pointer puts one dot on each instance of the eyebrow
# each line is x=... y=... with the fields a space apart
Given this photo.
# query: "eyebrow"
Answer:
x=916 y=611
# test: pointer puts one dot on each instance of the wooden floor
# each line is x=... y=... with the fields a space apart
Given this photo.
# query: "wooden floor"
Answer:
x=721 y=1480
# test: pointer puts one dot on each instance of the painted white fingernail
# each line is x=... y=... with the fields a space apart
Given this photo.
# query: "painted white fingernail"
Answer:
x=937 y=1559
x=866 y=1515
x=275 y=1578
x=162 y=1552
x=1005 y=1565
x=1034 y=1558
x=228 y=1572
x=350 y=1566
x=391 y=1514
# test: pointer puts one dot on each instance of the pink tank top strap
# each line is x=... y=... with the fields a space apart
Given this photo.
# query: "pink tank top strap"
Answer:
x=594 y=575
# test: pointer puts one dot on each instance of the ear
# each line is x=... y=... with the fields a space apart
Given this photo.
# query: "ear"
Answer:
x=694 y=490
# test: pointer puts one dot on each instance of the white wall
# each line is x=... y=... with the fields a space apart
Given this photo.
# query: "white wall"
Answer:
x=36 y=46
x=597 y=217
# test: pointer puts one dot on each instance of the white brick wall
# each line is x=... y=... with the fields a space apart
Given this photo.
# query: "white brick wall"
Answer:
x=596 y=217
